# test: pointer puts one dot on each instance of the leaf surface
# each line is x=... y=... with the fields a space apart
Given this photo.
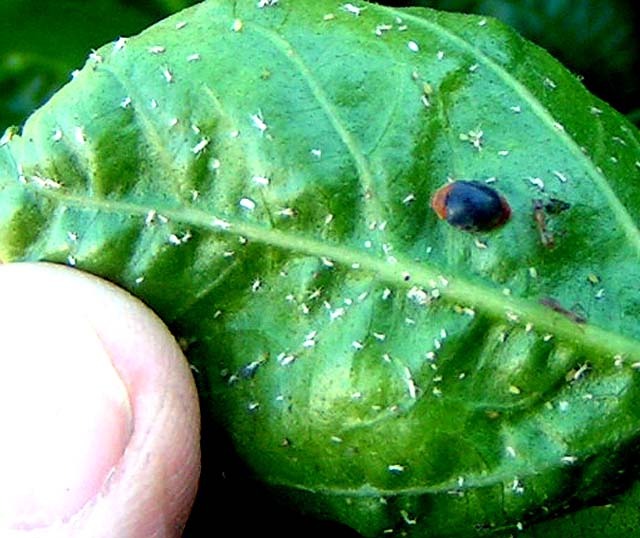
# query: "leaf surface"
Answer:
x=261 y=177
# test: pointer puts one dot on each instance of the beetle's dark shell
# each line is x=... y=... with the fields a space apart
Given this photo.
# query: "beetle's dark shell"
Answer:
x=471 y=206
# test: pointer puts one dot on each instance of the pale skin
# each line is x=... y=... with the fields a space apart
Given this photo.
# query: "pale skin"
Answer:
x=98 y=411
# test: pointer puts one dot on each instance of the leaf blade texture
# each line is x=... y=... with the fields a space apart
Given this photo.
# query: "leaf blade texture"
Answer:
x=260 y=174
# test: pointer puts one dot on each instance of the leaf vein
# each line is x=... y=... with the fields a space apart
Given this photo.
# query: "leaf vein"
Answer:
x=623 y=216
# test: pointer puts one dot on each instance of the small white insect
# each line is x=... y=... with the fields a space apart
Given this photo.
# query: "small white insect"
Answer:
x=247 y=203
x=381 y=28
x=167 y=74
x=287 y=212
x=408 y=198
x=96 y=57
x=536 y=181
x=512 y=316
x=174 y=239
x=79 y=135
x=560 y=176
x=410 y=384
x=258 y=122
x=219 y=223
x=237 y=25
x=46 y=182
x=151 y=215
x=418 y=295
x=350 y=8
x=200 y=146
x=395 y=468
x=119 y=44
x=474 y=137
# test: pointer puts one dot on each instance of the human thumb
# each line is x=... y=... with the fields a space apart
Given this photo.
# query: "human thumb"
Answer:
x=98 y=411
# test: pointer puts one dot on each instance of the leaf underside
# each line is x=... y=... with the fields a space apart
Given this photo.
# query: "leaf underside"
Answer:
x=260 y=175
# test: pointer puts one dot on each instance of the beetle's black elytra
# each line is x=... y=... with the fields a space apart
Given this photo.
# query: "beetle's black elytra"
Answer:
x=471 y=206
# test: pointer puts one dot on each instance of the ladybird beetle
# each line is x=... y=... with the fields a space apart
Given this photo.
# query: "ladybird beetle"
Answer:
x=471 y=206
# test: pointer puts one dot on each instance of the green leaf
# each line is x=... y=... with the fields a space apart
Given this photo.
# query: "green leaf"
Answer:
x=261 y=177
x=593 y=38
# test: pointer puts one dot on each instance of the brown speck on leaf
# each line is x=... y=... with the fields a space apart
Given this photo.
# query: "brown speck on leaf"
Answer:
x=555 y=305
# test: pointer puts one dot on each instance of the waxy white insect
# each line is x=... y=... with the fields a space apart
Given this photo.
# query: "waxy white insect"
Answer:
x=219 y=223
x=560 y=176
x=200 y=146
x=119 y=44
x=96 y=57
x=395 y=468
x=79 y=135
x=167 y=74
x=247 y=203
x=381 y=28
x=350 y=8
x=258 y=122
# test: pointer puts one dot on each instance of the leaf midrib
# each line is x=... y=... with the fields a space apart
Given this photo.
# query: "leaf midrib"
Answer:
x=396 y=271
